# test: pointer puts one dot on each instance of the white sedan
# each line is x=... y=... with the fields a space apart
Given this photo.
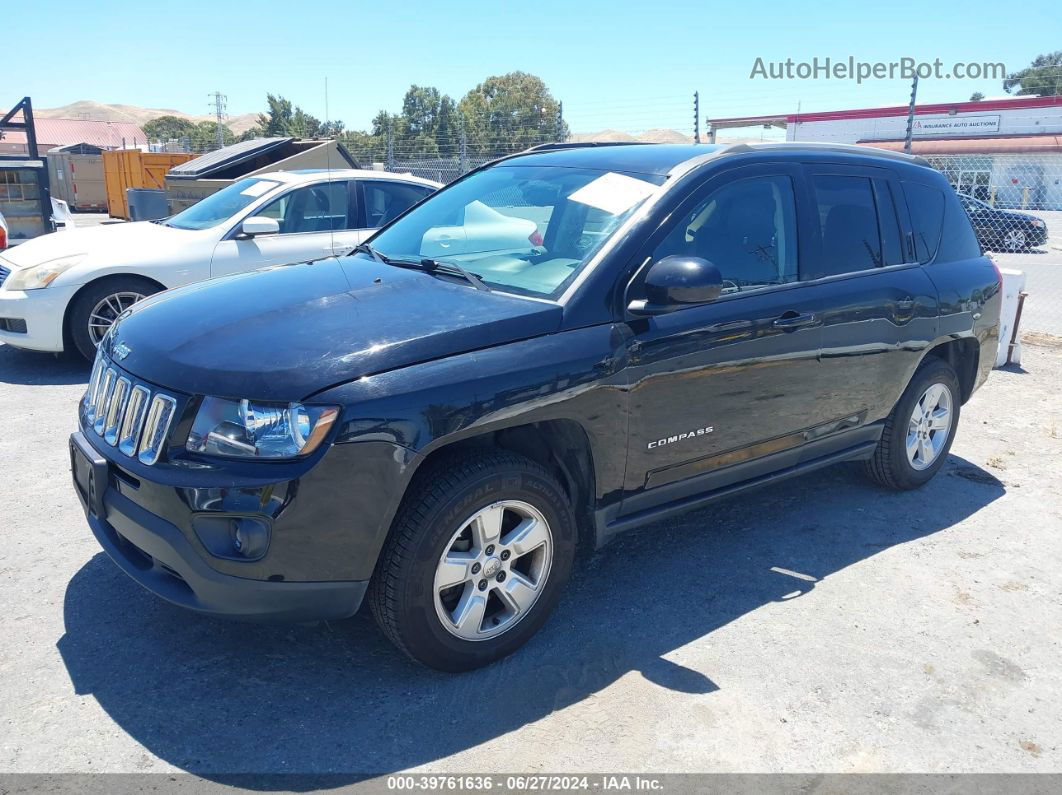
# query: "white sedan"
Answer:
x=65 y=289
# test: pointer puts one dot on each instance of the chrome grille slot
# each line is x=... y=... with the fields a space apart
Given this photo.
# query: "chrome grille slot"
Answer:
x=93 y=388
x=116 y=409
x=159 y=417
x=103 y=399
x=4 y=273
x=133 y=421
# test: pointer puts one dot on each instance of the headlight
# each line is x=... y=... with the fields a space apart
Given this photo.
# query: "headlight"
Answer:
x=246 y=429
x=1037 y=223
x=36 y=276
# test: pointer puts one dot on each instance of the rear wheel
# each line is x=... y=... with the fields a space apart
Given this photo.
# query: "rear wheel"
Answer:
x=476 y=560
x=919 y=431
x=95 y=309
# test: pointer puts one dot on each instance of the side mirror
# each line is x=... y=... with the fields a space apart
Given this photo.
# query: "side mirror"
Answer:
x=677 y=281
x=258 y=225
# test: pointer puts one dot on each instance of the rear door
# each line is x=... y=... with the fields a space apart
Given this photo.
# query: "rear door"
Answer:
x=310 y=217
x=733 y=380
x=877 y=305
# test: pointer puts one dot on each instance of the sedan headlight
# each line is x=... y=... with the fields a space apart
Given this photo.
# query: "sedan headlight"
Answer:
x=248 y=429
x=37 y=276
x=1037 y=223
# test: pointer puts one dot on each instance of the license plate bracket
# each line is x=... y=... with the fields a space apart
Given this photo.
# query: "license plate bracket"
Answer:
x=90 y=473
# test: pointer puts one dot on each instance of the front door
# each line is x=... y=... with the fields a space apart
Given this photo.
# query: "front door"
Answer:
x=310 y=217
x=731 y=381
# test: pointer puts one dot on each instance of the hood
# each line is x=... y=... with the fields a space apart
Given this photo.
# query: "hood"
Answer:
x=287 y=332
x=111 y=239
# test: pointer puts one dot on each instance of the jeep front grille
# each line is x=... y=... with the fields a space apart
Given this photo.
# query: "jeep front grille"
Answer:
x=126 y=415
x=4 y=273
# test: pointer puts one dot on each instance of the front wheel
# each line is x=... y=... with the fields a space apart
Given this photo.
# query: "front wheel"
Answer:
x=476 y=560
x=96 y=308
x=919 y=431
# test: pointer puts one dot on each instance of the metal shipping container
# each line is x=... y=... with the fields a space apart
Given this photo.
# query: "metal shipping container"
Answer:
x=131 y=168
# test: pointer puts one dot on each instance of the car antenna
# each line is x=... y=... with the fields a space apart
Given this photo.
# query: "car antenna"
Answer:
x=328 y=168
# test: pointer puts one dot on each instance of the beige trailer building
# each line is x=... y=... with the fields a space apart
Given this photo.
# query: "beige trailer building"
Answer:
x=189 y=182
x=76 y=176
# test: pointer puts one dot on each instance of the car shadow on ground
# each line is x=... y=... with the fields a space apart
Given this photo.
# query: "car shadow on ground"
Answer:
x=216 y=698
x=35 y=368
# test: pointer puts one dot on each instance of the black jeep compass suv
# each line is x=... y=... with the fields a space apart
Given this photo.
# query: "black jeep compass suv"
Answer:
x=560 y=346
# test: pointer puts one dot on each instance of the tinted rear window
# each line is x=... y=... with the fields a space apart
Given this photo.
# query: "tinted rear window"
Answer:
x=848 y=221
x=958 y=242
x=926 y=204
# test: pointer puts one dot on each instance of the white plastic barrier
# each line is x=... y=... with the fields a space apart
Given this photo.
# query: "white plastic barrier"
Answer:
x=1013 y=286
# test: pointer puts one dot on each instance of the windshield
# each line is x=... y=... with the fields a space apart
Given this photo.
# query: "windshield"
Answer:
x=221 y=206
x=523 y=229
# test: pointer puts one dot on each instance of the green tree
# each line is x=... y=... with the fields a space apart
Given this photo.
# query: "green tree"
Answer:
x=510 y=112
x=282 y=118
x=976 y=96
x=1043 y=76
x=165 y=128
x=205 y=136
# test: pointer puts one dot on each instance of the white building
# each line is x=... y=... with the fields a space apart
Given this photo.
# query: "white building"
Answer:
x=1004 y=151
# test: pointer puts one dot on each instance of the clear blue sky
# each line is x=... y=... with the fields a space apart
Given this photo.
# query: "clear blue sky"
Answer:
x=614 y=63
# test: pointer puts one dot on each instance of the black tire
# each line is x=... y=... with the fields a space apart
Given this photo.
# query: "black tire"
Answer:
x=77 y=327
x=890 y=466
x=440 y=499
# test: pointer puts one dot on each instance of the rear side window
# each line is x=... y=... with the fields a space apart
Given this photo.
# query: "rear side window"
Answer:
x=891 y=239
x=848 y=222
x=385 y=201
x=926 y=204
x=958 y=241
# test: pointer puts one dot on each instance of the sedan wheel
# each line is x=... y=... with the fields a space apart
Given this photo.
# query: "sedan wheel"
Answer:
x=1015 y=240
x=103 y=314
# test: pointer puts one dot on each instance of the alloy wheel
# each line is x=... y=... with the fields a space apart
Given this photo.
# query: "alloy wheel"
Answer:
x=105 y=312
x=493 y=570
x=1015 y=240
x=929 y=426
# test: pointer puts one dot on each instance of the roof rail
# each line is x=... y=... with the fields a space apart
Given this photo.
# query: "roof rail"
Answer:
x=851 y=149
x=582 y=144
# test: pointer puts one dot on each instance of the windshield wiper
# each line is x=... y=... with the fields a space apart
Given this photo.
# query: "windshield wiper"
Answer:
x=429 y=265
x=365 y=248
x=452 y=268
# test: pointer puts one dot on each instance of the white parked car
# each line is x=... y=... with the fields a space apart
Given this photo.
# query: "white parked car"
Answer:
x=65 y=289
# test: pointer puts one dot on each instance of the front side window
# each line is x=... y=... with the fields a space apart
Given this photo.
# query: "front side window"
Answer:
x=848 y=222
x=747 y=229
x=523 y=229
x=315 y=208
x=221 y=206
x=385 y=201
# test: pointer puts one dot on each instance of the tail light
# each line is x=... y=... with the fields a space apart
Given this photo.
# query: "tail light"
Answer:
x=536 y=239
x=3 y=238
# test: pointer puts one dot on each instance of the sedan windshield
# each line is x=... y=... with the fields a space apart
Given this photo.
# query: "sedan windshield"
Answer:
x=522 y=229
x=221 y=206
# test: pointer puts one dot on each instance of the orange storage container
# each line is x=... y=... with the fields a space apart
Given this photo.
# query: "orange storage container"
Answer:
x=131 y=168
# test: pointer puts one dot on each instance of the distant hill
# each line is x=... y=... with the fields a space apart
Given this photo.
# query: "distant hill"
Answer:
x=663 y=136
x=98 y=111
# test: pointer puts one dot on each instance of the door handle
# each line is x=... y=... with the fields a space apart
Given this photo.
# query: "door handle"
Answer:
x=794 y=320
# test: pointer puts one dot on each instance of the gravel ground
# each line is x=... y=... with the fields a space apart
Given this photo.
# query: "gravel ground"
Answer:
x=821 y=625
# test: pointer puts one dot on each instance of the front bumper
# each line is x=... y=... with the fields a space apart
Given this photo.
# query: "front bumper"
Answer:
x=155 y=553
x=42 y=311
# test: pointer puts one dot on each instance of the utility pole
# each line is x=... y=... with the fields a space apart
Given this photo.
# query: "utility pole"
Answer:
x=560 y=123
x=390 y=145
x=696 y=117
x=463 y=152
x=910 y=116
x=219 y=113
